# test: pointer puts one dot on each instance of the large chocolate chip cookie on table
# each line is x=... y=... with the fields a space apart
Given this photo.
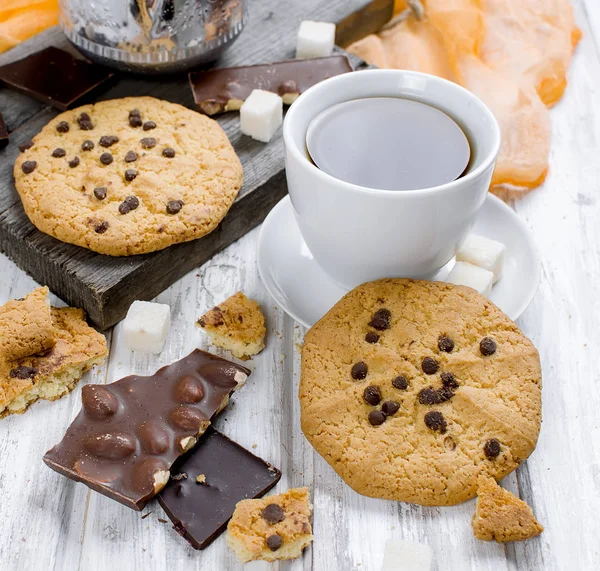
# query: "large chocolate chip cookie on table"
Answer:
x=128 y=176
x=411 y=389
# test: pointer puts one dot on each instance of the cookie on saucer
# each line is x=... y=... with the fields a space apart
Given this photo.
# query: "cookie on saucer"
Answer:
x=128 y=176
x=411 y=389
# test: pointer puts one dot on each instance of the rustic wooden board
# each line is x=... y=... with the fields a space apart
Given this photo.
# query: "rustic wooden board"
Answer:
x=105 y=286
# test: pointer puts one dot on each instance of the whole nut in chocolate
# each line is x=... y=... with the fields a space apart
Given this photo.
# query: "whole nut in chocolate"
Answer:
x=128 y=433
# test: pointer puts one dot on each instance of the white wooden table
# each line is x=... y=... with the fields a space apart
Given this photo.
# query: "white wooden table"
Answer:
x=48 y=522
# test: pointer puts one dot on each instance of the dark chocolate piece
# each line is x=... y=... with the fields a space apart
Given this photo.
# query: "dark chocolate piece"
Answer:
x=53 y=76
x=225 y=89
x=390 y=407
x=435 y=421
x=129 y=204
x=100 y=192
x=128 y=433
x=58 y=153
x=229 y=474
x=174 y=206
x=445 y=344
x=168 y=152
x=3 y=133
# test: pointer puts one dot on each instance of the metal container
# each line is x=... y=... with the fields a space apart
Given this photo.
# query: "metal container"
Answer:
x=152 y=36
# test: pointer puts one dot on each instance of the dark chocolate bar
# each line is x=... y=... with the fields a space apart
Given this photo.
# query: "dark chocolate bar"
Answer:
x=53 y=76
x=128 y=433
x=225 y=89
x=207 y=483
x=3 y=133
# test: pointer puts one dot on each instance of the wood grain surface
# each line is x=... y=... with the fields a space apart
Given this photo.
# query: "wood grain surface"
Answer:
x=51 y=523
x=105 y=286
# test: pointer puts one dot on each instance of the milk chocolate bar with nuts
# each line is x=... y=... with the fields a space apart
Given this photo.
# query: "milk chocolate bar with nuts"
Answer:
x=226 y=89
x=128 y=433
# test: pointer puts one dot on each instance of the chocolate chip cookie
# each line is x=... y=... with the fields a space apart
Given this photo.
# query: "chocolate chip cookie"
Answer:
x=128 y=176
x=411 y=389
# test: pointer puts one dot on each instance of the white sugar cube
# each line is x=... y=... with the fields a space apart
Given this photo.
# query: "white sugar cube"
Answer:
x=483 y=252
x=261 y=115
x=146 y=326
x=467 y=274
x=315 y=39
x=406 y=556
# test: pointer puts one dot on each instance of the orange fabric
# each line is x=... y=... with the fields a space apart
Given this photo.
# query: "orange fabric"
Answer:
x=513 y=54
x=21 y=19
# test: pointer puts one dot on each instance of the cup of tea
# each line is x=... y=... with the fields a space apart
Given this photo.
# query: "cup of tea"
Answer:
x=387 y=170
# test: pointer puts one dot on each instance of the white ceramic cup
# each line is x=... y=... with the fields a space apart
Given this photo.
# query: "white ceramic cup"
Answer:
x=358 y=234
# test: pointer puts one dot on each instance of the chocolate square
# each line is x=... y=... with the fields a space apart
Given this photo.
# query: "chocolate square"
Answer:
x=54 y=76
x=228 y=474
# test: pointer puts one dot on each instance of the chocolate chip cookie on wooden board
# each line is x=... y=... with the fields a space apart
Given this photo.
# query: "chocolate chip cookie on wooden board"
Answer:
x=128 y=176
x=411 y=389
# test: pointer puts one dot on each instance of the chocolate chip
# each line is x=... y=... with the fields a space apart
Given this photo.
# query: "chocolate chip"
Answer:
x=100 y=192
x=28 y=167
x=58 y=153
x=492 y=449
x=371 y=337
x=62 y=127
x=74 y=162
x=359 y=371
x=25 y=146
x=130 y=174
x=429 y=396
x=273 y=513
x=435 y=421
x=372 y=395
x=400 y=383
x=149 y=125
x=168 y=152
x=487 y=346
x=448 y=380
x=108 y=140
x=174 y=206
x=135 y=120
x=87 y=145
x=135 y=113
x=148 y=142
x=376 y=417
x=274 y=542
x=445 y=344
x=130 y=156
x=446 y=393
x=129 y=204
x=106 y=158
x=101 y=228
x=390 y=407
x=23 y=372
x=85 y=122
x=381 y=319
x=430 y=366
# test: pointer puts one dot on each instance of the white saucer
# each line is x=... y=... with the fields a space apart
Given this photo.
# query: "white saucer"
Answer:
x=305 y=292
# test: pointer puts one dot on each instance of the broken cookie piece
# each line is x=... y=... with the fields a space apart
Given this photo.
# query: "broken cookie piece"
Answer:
x=26 y=326
x=49 y=376
x=272 y=528
x=237 y=325
x=500 y=515
x=128 y=433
